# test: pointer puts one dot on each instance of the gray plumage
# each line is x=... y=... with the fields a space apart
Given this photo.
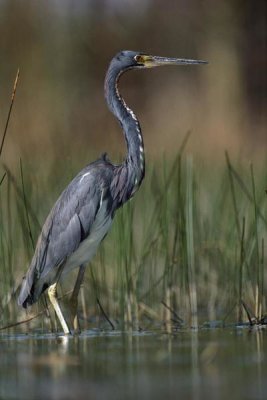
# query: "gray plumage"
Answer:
x=96 y=190
x=83 y=214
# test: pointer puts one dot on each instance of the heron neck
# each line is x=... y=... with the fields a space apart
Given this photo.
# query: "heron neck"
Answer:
x=135 y=160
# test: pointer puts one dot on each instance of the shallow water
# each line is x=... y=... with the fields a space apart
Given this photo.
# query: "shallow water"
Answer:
x=208 y=364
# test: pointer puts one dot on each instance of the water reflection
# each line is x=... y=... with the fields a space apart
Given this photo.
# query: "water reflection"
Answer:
x=213 y=364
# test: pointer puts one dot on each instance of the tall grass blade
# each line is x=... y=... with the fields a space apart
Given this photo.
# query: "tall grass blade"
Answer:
x=233 y=193
x=9 y=112
x=241 y=265
x=25 y=204
x=2 y=179
x=190 y=243
x=258 y=273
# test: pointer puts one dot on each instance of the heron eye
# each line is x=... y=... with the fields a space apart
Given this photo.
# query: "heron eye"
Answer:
x=138 y=59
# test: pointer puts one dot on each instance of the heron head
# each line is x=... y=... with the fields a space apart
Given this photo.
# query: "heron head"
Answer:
x=131 y=59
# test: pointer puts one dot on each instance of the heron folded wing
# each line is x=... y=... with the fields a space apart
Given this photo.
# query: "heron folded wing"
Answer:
x=71 y=219
x=68 y=224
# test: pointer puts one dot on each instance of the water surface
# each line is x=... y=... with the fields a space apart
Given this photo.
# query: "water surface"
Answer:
x=208 y=364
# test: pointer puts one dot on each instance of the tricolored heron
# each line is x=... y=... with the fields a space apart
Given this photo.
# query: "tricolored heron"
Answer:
x=83 y=214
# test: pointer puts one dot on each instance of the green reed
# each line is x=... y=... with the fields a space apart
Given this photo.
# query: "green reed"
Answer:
x=189 y=247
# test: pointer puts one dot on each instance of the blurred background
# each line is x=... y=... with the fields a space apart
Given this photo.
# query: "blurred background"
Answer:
x=63 y=49
x=60 y=123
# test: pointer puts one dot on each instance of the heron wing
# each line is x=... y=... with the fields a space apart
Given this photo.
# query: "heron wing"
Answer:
x=70 y=220
x=66 y=226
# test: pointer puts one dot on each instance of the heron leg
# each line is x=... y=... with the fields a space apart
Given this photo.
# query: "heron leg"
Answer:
x=52 y=293
x=74 y=298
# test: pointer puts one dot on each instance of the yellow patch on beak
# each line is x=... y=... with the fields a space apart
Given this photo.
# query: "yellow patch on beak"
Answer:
x=145 y=60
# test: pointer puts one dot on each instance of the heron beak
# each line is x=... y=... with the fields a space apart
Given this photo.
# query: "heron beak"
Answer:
x=155 y=61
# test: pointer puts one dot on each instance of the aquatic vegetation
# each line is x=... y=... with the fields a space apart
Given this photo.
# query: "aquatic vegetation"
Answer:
x=190 y=247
